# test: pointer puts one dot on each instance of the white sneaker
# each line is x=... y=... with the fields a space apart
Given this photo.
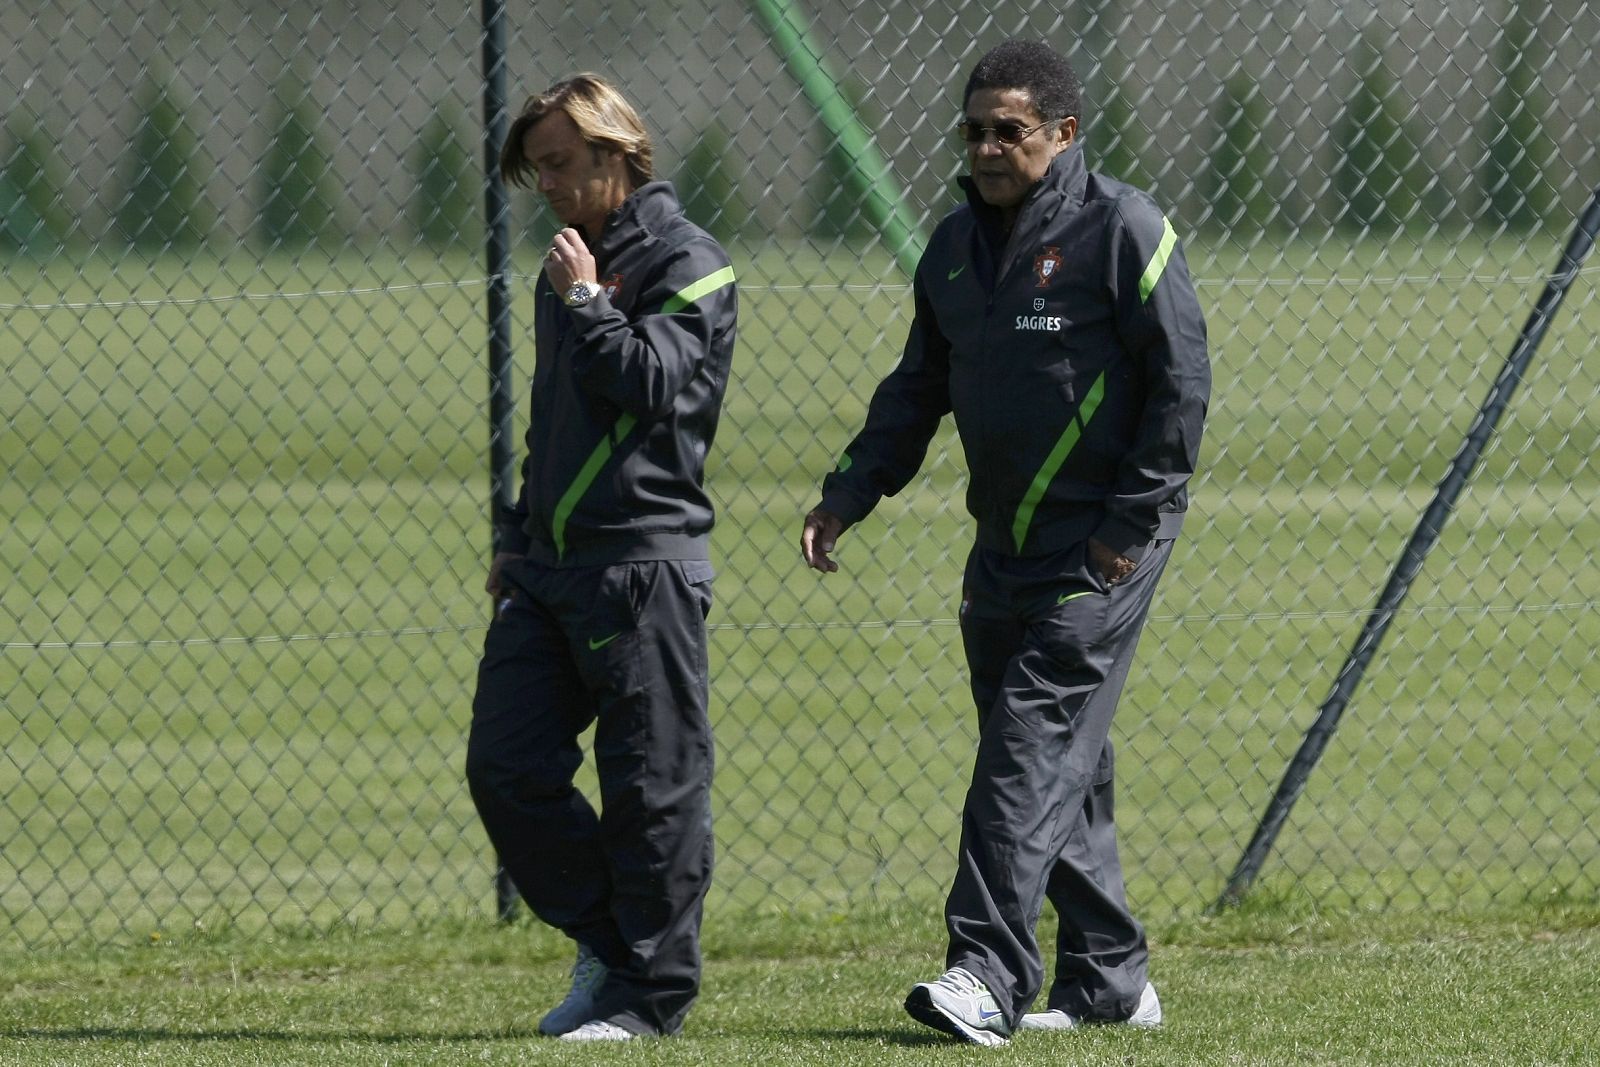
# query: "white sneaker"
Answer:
x=961 y=1006
x=578 y=1006
x=598 y=1030
x=1147 y=1014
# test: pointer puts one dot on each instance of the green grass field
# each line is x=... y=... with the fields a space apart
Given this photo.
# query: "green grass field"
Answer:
x=246 y=542
x=1265 y=987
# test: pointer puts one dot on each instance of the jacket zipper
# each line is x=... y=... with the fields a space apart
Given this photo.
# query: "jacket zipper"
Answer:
x=1002 y=272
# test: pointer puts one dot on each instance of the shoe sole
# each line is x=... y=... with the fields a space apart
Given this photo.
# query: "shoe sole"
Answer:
x=1145 y=1017
x=1048 y=1027
x=920 y=1006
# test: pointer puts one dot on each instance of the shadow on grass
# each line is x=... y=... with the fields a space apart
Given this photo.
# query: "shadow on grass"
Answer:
x=866 y=1035
x=871 y=1036
x=141 y=1034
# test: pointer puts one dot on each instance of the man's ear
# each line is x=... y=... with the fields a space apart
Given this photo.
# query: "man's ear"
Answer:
x=1066 y=132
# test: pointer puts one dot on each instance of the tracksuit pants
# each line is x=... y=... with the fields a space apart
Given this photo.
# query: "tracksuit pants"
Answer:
x=622 y=647
x=1049 y=647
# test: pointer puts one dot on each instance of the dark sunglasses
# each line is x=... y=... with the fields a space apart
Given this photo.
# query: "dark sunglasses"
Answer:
x=1007 y=133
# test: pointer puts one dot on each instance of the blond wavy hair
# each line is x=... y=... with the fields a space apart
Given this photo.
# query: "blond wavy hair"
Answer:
x=601 y=113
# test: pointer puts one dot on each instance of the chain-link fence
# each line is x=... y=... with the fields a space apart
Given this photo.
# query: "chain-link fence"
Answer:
x=246 y=478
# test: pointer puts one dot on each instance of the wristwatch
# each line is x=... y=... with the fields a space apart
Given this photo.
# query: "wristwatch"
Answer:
x=581 y=293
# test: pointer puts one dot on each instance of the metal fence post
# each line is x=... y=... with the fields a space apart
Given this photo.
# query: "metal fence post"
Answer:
x=1411 y=560
x=502 y=467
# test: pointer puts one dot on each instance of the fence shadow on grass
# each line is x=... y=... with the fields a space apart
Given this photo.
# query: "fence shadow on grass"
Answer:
x=149 y=1034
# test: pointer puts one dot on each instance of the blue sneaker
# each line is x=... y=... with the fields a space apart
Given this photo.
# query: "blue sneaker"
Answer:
x=958 y=1004
x=577 y=1007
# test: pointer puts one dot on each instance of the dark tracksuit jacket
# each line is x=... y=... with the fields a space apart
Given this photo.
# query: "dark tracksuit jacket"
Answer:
x=1079 y=381
x=603 y=620
x=626 y=396
x=1072 y=353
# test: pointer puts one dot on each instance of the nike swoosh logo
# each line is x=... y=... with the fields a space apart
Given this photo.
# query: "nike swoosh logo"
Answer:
x=596 y=646
x=952 y=275
x=985 y=1016
x=1064 y=597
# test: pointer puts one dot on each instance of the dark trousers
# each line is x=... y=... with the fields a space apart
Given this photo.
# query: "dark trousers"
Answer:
x=622 y=647
x=1049 y=648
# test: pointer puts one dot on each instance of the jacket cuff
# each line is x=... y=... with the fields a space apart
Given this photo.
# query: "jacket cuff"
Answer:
x=591 y=313
x=587 y=320
x=845 y=506
x=509 y=534
x=1123 y=538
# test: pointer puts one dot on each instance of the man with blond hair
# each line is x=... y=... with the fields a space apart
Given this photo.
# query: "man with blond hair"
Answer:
x=602 y=580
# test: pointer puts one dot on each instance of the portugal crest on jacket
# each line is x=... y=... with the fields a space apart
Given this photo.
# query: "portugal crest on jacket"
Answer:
x=612 y=286
x=1047 y=264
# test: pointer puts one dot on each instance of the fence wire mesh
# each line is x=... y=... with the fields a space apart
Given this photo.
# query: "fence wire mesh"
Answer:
x=245 y=486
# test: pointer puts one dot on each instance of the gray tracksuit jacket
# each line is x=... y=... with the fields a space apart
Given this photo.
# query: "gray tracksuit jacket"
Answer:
x=627 y=391
x=1073 y=354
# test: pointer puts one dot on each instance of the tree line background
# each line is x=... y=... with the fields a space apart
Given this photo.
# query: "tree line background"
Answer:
x=1383 y=181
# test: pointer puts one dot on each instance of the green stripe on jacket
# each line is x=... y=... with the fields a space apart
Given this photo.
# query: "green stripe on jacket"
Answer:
x=1052 y=462
x=586 y=476
x=1158 y=262
x=695 y=290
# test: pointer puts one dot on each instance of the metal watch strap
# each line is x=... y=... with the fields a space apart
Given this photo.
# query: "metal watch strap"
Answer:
x=580 y=293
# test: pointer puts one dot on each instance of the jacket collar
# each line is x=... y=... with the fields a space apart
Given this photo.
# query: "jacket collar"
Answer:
x=1062 y=187
x=646 y=211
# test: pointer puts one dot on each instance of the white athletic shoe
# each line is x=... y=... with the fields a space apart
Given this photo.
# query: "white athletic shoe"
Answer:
x=959 y=1005
x=1147 y=1014
x=598 y=1030
x=578 y=1006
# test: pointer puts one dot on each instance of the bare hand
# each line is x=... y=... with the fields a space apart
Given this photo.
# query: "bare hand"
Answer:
x=1113 y=566
x=821 y=533
x=493 y=586
x=568 y=261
